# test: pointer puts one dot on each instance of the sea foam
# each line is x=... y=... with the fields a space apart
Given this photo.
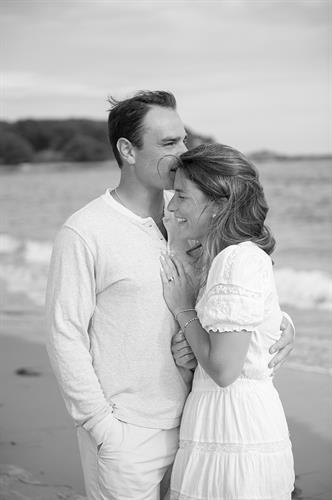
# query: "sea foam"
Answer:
x=8 y=244
x=37 y=252
x=304 y=289
x=24 y=266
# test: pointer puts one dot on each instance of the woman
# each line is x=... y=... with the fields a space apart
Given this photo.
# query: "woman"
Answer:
x=234 y=441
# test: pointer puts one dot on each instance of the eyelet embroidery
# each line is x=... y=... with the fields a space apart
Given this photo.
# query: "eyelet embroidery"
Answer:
x=235 y=447
x=230 y=289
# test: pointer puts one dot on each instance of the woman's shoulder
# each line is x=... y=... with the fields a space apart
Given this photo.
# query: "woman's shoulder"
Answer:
x=237 y=260
x=239 y=251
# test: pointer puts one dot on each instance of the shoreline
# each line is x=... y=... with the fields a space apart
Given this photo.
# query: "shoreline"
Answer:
x=37 y=434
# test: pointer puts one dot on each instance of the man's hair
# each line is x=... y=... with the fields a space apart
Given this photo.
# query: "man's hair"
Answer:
x=126 y=117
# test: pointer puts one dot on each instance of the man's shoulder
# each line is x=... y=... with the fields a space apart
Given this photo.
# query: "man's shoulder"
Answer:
x=87 y=214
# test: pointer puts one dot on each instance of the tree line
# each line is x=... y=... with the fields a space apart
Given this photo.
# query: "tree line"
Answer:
x=72 y=140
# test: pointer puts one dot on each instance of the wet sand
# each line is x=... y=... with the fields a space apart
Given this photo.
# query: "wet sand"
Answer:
x=37 y=435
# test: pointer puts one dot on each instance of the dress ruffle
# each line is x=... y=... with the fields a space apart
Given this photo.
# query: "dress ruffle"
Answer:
x=234 y=443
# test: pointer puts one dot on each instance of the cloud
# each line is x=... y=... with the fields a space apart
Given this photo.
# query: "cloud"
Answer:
x=226 y=61
x=25 y=84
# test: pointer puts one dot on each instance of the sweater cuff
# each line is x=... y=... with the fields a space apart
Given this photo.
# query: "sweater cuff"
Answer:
x=99 y=430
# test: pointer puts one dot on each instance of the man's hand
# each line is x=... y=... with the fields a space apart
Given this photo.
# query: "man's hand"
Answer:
x=284 y=345
x=182 y=353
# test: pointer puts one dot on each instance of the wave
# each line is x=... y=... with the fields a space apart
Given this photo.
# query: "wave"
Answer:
x=304 y=289
x=37 y=252
x=312 y=355
x=321 y=370
x=31 y=251
x=24 y=268
x=24 y=265
x=29 y=280
x=8 y=244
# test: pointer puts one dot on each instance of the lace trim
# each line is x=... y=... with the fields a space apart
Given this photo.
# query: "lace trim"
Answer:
x=229 y=262
x=222 y=328
x=176 y=495
x=230 y=289
x=235 y=447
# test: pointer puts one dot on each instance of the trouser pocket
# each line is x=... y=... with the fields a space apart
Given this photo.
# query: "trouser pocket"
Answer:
x=113 y=438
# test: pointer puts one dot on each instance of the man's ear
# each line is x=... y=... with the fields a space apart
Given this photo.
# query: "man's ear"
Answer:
x=126 y=150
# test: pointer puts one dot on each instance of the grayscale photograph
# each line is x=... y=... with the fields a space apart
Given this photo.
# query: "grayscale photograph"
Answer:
x=166 y=250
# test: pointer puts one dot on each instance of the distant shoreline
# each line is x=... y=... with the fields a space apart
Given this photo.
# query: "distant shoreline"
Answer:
x=263 y=156
x=33 y=141
x=256 y=157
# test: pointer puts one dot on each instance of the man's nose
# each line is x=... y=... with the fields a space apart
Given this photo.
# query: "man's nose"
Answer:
x=171 y=205
x=182 y=148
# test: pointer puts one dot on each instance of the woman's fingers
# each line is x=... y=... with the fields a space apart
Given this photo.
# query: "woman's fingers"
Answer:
x=179 y=266
x=166 y=272
x=169 y=267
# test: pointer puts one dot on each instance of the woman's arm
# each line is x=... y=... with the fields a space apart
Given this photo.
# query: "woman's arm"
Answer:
x=221 y=354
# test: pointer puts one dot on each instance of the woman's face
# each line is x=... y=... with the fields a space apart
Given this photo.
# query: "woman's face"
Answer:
x=191 y=207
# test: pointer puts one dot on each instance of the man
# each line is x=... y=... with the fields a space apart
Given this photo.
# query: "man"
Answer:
x=110 y=330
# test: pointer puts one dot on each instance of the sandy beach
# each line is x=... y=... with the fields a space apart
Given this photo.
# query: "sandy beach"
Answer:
x=37 y=435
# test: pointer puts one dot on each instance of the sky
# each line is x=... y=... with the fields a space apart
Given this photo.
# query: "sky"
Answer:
x=254 y=74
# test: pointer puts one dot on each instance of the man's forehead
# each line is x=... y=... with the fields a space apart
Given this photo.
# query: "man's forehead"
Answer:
x=163 y=122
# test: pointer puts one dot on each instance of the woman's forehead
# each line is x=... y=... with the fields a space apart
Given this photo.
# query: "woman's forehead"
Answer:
x=183 y=184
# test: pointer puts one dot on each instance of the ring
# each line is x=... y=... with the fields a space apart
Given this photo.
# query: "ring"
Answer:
x=170 y=279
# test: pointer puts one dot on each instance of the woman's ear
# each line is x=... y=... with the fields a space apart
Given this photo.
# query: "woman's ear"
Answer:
x=214 y=209
x=126 y=150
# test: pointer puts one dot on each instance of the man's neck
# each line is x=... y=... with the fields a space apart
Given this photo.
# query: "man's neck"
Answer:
x=143 y=201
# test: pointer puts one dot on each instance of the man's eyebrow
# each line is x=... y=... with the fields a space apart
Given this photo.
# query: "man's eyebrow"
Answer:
x=178 y=190
x=174 y=139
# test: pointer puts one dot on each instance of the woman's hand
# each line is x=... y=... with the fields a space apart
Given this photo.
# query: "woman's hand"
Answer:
x=179 y=291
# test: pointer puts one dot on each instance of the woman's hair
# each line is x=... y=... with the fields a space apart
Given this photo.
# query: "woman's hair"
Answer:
x=231 y=182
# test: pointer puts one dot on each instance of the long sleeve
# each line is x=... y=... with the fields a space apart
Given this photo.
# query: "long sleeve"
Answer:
x=70 y=303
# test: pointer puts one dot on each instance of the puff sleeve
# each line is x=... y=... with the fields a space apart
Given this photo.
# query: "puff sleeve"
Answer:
x=235 y=290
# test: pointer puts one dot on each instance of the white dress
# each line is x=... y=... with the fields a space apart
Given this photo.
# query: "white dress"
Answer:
x=234 y=441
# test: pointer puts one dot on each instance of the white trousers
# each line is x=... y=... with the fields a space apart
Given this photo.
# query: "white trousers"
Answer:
x=133 y=463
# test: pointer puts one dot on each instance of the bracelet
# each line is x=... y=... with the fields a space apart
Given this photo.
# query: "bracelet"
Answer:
x=188 y=323
x=183 y=311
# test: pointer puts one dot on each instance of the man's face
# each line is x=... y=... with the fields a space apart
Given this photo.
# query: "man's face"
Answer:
x=163 y=138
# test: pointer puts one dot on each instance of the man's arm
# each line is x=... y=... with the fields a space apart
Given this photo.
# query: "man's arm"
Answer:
x=284 y=346
x=185 y=358
x=182 y=352
x=70 y=302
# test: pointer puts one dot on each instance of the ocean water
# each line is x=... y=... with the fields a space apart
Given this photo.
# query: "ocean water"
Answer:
x=35 y=200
